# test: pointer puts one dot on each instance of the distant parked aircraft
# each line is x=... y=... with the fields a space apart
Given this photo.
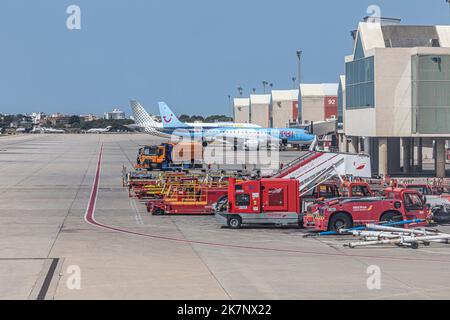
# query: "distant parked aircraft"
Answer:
x=99 y=130
x=47 y=130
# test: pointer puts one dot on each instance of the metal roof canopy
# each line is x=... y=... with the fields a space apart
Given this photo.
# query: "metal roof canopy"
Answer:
x=396 y=36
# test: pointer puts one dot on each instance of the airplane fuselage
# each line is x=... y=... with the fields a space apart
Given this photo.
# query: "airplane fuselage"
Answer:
x=283 y=135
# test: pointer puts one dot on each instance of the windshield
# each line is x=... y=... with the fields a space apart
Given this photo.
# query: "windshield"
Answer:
x=413 y=201
x=360 y=191
x=150 y=151
x=422 y=189
x=326 y=191
x=357 y=191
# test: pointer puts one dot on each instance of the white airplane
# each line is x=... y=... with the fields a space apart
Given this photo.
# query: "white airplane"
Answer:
x=99 y=130
x=249 y=138
x=47 y=130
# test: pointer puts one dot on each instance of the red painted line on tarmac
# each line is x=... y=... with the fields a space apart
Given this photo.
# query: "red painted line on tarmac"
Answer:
x=90 y=219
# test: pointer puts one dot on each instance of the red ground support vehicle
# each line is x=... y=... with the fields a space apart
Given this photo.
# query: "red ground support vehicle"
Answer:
x=265 y=201
x=400 y=204
x=325 y=190
x=188 y=198
x=138 y=186
x=353 y=189
x=348 y=189
x=425 y=189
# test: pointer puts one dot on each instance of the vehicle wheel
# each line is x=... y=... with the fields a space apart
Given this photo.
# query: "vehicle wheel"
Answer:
x=158 y=212
x=339 y=221
x=234 y=222
x=414 y=245
x=391 y=217
x=300 y=222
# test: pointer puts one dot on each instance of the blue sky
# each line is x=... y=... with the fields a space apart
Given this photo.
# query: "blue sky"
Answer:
x=191 y=54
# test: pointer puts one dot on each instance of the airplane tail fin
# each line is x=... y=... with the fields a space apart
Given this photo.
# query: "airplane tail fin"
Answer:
x=141 y=116
x=169 y=119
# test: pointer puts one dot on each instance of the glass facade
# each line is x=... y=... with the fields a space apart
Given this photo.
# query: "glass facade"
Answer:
x=340 y=103
x=360 y=88
x=431 y=94
x=359 y=51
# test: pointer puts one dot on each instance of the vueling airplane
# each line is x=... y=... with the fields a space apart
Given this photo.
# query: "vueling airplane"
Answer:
x=139 y=111
x=248 y=137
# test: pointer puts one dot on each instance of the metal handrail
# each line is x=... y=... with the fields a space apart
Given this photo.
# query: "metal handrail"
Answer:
x=295 y=162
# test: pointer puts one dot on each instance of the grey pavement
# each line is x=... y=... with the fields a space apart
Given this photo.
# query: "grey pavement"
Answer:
x=45 y=184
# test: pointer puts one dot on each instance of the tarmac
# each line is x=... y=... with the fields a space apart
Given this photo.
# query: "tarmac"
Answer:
x=69 y=231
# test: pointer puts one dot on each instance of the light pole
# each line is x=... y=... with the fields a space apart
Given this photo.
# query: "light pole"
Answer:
x=294 y=79
x=299 y=57
x=240 y=90
x=230 y=106
x=265 y=83
x=448 y=1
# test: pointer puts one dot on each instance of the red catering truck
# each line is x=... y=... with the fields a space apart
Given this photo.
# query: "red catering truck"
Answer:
x=349 y=189
x=399 y=204
x=265 y=201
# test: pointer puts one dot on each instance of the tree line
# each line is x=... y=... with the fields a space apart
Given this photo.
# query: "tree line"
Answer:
x=213 y=118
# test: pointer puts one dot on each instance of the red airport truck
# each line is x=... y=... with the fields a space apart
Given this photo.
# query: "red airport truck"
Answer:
x=399 y=204
x=263 y=202
x=349 y=189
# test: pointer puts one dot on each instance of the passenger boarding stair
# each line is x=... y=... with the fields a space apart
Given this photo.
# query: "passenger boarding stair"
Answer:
x=295 y=164
x=315 y=167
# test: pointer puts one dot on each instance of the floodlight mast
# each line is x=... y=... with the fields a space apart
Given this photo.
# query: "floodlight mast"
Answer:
x=299 y=57
x=448 y=1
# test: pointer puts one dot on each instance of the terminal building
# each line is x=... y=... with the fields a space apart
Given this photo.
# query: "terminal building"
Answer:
x=318 y=102
x=396 y=96
x=285 y=108
x=241 y=110
x=259 y=109
x=115 y=114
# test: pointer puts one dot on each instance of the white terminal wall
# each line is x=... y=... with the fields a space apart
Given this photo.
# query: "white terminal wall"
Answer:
x=259 y=109
x=283 y=104
x=242 y=110
x=391 y=116
x=313 y=100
